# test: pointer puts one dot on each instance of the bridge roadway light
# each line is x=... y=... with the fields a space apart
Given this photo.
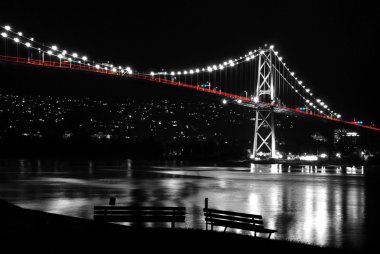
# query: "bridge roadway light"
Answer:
x=50 y=52
x=224 y=101
x=75 y=55
x=19 y=33
x=54 y=47
x=17 y=40
x=239 y=101
x=255 y=99
x=4 y=35
x=197 y=70
x=271 y=46
x=84 y=58
x=8 y=28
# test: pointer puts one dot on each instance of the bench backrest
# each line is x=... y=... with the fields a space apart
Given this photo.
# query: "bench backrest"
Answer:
x=253 y=219
x=139 y=214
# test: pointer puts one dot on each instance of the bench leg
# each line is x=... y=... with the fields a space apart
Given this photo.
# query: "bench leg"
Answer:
x=225 y=229
x=212 y=227
x=269 y=235
x=255 y=233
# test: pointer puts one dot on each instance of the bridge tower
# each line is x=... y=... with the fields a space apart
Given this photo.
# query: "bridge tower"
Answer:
x=264 y=136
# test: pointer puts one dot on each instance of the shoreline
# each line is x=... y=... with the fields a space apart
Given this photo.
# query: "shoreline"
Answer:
x=28 y=231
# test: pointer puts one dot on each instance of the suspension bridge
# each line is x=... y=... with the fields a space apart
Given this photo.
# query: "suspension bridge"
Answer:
x=259 y=79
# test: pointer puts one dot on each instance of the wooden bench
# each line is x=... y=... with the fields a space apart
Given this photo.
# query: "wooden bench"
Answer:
x=112 y=213
x=228 y=219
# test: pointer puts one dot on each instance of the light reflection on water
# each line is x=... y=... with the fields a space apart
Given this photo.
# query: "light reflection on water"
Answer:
x=319 y=205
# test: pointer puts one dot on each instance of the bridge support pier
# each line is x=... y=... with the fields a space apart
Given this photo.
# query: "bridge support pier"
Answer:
x=264 y=143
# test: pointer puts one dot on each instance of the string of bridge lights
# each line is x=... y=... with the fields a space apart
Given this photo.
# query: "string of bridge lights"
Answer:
x=307 y=90
x=214 y=67
x=313 y=102
x=74 y=57
x=60 y=54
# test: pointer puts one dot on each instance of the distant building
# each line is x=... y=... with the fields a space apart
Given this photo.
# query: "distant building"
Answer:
x=346 y=139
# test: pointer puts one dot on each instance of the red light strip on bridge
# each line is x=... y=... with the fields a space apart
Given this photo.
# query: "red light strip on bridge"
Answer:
x=67 y=65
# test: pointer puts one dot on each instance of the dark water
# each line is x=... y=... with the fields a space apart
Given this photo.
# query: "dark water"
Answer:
x=323 y=206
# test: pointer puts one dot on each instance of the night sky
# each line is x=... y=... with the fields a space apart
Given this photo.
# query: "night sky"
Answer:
x=332 y=47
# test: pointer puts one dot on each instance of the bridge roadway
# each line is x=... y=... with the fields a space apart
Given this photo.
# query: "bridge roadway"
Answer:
x=237 y=99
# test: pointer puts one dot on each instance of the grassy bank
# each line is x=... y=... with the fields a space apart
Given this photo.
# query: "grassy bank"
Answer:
x=27 y=231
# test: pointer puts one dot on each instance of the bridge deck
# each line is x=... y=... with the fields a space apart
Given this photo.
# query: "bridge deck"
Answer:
x=241 y=100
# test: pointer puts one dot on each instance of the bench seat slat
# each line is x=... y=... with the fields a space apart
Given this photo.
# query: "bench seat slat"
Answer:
x=140 y=218
x=216 y=211
x=140 y=208
x=239 y=225
x=135 y=212
x=233 y=218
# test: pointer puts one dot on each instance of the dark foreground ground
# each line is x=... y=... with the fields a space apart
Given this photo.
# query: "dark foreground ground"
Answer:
x=27 y=231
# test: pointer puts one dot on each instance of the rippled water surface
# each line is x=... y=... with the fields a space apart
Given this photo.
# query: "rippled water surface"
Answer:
x=319 y=206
